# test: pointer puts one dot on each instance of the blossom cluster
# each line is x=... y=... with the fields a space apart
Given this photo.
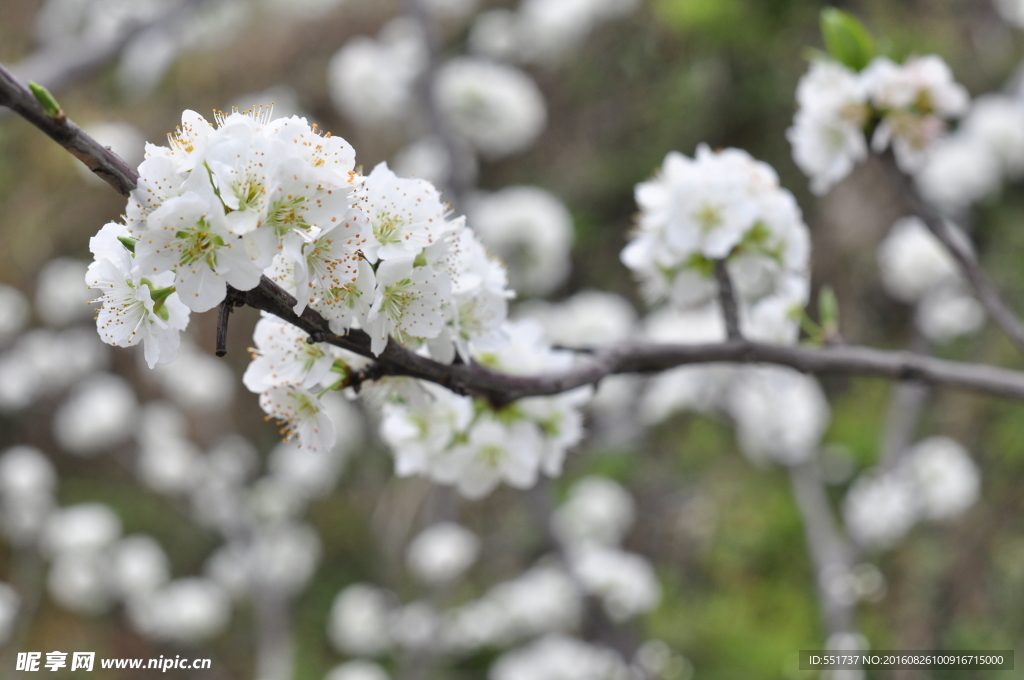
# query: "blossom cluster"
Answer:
x=472 y=445
x=222 y=205
x=934 y=480
x=723 y=206
x=906 y=106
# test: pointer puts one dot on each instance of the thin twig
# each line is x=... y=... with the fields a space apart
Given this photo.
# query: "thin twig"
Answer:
x=98 y=158
x=727 y=299
x=957 y=243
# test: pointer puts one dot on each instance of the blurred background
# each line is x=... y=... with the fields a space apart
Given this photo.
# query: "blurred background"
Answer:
x=163 y=449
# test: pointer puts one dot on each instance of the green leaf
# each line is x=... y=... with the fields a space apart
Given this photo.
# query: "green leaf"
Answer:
x=47 y=100
x=128 y=242
x=846 y=38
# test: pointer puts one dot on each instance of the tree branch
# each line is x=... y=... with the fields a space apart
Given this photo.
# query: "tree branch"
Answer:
x=500 y=388
x=727 y=299
x=98 y=158
x=956 y=242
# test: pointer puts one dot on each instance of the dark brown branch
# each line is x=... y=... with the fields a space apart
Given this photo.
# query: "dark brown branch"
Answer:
x=500 y=388
x=956 y=242
x=727 y=300
x=98 y=158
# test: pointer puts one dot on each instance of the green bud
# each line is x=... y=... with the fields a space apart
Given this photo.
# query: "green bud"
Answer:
x=128 y=242
x=846 y=38
x=47 y=100
x=828 y=311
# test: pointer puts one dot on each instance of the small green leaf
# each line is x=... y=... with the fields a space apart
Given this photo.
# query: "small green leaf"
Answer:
x=846 y=38
x=128 y=242
x=47 y=100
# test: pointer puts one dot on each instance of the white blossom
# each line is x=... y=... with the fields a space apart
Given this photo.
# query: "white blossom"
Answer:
x=496 y=108
x=358 y=621
x=597 y=509
x=916 y=99
x=138 y=565
x=560 y=658
x=947 y=313
x=780 y=414
x=86 y=527
x=371 y=81
x=947 y=479
x=717 y=206
x=301 y=415
x=624 y=582
x=97 y=416
x=880 y=508
x=14 y=312
x=61 y=296
x=828 y=129
x=357 y=670
x=185 y=611
x=442 y=552
x=912 y=261
x=531 y=230
x=134 y=309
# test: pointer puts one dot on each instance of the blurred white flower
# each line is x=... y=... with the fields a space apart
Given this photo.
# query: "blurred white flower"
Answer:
x=912 y=262
x=138 y=565
x=494 y=34
x=357 y=670
x=371 y=81
x=197 y=382
x=947 y=313
x=78 y=581
x=359 y=621
x=496 y=108
x=587 y=317
x=558 y=657
x=997 y=122
x=531 y=230
x=540 y=600
x=14 y=312
x=62 y=297
x=597 y=509
x=185 y=611
x=98 y=415
x=442 y=552
x=880 y=508
x=86 y=527
x=285 y=556
x=947 y=479
x=780 y=414
x=1012 y=11
x=624 y=582
x=958 y=171
x=414 y=626
x=26 y=472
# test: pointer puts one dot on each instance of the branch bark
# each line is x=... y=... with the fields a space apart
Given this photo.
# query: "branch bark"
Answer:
x=727 y=299
x=957 y=243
